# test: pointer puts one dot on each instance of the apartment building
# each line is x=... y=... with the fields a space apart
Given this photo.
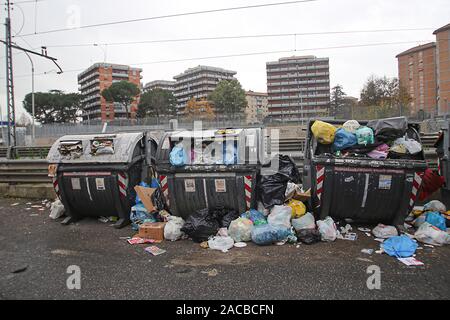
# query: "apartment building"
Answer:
x=257 y=107
x=98 y=77
x=425 y=72
x=298 y=88
x=198 y=82
x=417 y=73
x=443 y=69
x=160 y=84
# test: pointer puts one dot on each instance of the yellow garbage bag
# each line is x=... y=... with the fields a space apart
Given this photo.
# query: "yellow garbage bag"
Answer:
x=298 y=208
x=323 y=132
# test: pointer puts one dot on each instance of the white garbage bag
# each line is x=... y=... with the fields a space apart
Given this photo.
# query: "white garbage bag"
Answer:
x=221 y=243
x=327 y=229
x=384 y=231
x=260 y=208
x=411 y=145
x=172 y=229
x=280 y=216
x=57 y=209
x=304 y=222
x=241 y=229
x=351 y=125
x=291 y=190
x=435 y=205
x=429 y=234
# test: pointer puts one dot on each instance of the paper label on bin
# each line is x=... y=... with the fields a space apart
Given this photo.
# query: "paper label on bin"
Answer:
x=384 y=182
x=75 y=183
x=189 y=185
x=349 y=179
x=100 y=183
x=221 y=185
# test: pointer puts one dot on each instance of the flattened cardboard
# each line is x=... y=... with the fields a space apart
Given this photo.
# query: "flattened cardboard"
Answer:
x=145 y=194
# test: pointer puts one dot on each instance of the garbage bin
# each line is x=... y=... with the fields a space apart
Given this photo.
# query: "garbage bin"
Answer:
x=95 y=175
x=207 y=179
x=443 y=151
x=359 y=187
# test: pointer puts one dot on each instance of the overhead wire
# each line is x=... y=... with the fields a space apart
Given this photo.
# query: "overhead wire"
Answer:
x=170 y=16
x=247 y=54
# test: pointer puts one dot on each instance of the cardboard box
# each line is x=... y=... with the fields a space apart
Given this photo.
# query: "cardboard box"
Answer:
x=153 y=231
x=305 y=196
x=145 y=194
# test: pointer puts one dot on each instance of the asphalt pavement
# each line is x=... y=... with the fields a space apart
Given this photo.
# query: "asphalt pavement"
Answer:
x=35 y=254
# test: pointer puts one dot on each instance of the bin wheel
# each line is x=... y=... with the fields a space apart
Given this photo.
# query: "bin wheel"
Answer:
x=69 y=220
x=121 y=223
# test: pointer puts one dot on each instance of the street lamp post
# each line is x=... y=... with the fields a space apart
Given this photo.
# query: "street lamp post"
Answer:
x=33 y=134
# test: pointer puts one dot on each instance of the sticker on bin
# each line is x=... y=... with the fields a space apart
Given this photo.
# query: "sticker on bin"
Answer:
x=189 y=185
x=100 y=183
x=384 y=182
x=221 y=185
x=76 y=185
x=349 y=179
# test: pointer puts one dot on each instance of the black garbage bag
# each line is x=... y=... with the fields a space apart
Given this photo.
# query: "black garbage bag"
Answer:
x=201 y=225
x=158 y=199
x=224 y=216
x=389 y=129
x=288 y=168
x=308 y=236
x=271 y=188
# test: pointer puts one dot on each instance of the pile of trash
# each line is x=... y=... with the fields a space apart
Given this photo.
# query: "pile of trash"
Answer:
x=379 y=139
x=71 y=149
x=102 y=145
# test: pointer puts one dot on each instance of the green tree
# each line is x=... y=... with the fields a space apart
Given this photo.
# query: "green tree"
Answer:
x=228 y=97
x=337 y=100
x=122 y=92
x=54 y=106
x=384 y=97
x=157 y=102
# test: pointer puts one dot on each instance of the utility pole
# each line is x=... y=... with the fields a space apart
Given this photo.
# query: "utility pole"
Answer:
x=11 y=117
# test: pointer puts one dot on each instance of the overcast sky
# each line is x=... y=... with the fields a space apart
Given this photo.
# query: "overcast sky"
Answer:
x=349 y=67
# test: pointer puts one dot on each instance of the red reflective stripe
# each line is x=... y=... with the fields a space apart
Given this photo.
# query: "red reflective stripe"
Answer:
x=249 y=177
x=121 y=185
x=164 y=187
x=320 y=179
x=248 y=188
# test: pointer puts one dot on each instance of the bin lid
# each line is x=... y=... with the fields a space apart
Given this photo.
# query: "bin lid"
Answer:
x=95 y=148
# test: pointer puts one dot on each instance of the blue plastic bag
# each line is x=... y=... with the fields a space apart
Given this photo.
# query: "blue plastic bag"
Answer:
x=255 y=216
x=178 y=157
x=436 y=219
x=399 y=246
x=344 y=139
x=139 y=215
x=154 y=183
x=266 y=234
